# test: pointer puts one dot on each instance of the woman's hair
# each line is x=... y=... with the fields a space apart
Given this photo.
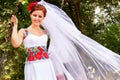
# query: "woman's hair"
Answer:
x=35 y=6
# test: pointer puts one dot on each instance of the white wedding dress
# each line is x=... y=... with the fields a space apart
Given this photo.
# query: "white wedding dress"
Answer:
x=38 y=69
x=73 y=54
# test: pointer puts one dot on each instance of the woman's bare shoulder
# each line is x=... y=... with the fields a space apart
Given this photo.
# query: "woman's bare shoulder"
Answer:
x=22 y=32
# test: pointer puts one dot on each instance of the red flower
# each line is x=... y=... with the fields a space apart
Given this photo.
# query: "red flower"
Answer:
x=45 y=55
x=31 y=5
x=31 y=53
x=38 y=55
x=39 y=48
x=29 y=49
x=31 y=57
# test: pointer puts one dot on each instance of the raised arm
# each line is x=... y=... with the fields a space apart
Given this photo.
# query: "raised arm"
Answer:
x=17 y=36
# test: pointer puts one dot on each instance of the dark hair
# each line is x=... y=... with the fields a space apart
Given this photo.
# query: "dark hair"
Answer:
x=39 y=7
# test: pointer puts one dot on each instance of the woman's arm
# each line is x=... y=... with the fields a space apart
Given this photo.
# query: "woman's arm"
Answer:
x=17 y=36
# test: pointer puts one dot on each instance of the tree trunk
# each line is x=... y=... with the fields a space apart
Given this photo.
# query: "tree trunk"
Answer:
x=77 y=9
x=70 y=8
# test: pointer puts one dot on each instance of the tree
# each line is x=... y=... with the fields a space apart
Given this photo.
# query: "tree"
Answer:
x=110 y=38
x=83 y=15
x=9 y=56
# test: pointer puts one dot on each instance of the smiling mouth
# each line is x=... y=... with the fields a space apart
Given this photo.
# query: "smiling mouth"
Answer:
x=37 y=21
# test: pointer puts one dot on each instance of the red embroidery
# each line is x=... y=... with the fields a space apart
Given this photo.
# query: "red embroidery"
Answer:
x=39 y=48
x=45 y=55
x=29 y=50
x=36 y=53
x=31 y=57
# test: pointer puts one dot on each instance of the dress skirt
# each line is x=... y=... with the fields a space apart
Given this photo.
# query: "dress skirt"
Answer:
x=39 y=70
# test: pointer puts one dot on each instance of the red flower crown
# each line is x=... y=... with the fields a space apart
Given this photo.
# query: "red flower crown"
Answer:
x=31 y=6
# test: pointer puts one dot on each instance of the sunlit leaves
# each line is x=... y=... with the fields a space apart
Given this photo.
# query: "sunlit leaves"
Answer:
x=110 y=38
x=12 y=60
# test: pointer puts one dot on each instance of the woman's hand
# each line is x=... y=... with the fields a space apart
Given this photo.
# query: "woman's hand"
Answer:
x=17 y=36
x=14 y=20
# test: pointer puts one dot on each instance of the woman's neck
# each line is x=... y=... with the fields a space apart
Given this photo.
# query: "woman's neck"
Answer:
x=35 y=29
x=34 y=26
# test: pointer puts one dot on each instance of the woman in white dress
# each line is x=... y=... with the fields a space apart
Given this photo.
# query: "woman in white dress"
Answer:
x=70 y=56
x=38 y=66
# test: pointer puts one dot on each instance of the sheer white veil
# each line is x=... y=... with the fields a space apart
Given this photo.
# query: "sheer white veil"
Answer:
x=75 y=55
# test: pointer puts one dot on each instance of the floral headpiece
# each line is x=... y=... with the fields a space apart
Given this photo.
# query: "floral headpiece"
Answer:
x=31 y=6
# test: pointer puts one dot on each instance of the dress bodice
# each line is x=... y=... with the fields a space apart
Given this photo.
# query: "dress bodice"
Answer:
x=35 y=46
x=33 y=40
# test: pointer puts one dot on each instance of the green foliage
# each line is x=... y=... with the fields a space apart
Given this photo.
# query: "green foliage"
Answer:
x=14 y=66
x=110 y=38
x=12 y=60
x=23 y=15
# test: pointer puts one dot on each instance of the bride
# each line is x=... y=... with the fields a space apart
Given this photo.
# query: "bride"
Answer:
x=72 y=55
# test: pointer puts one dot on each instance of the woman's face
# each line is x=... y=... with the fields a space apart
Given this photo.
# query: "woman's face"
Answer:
x=36 y=17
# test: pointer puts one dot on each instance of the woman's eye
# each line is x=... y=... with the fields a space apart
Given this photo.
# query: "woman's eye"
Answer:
x=34 y=15
x=40 y=16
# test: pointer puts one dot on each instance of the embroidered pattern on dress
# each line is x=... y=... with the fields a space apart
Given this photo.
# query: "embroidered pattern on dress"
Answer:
x=36 y=53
